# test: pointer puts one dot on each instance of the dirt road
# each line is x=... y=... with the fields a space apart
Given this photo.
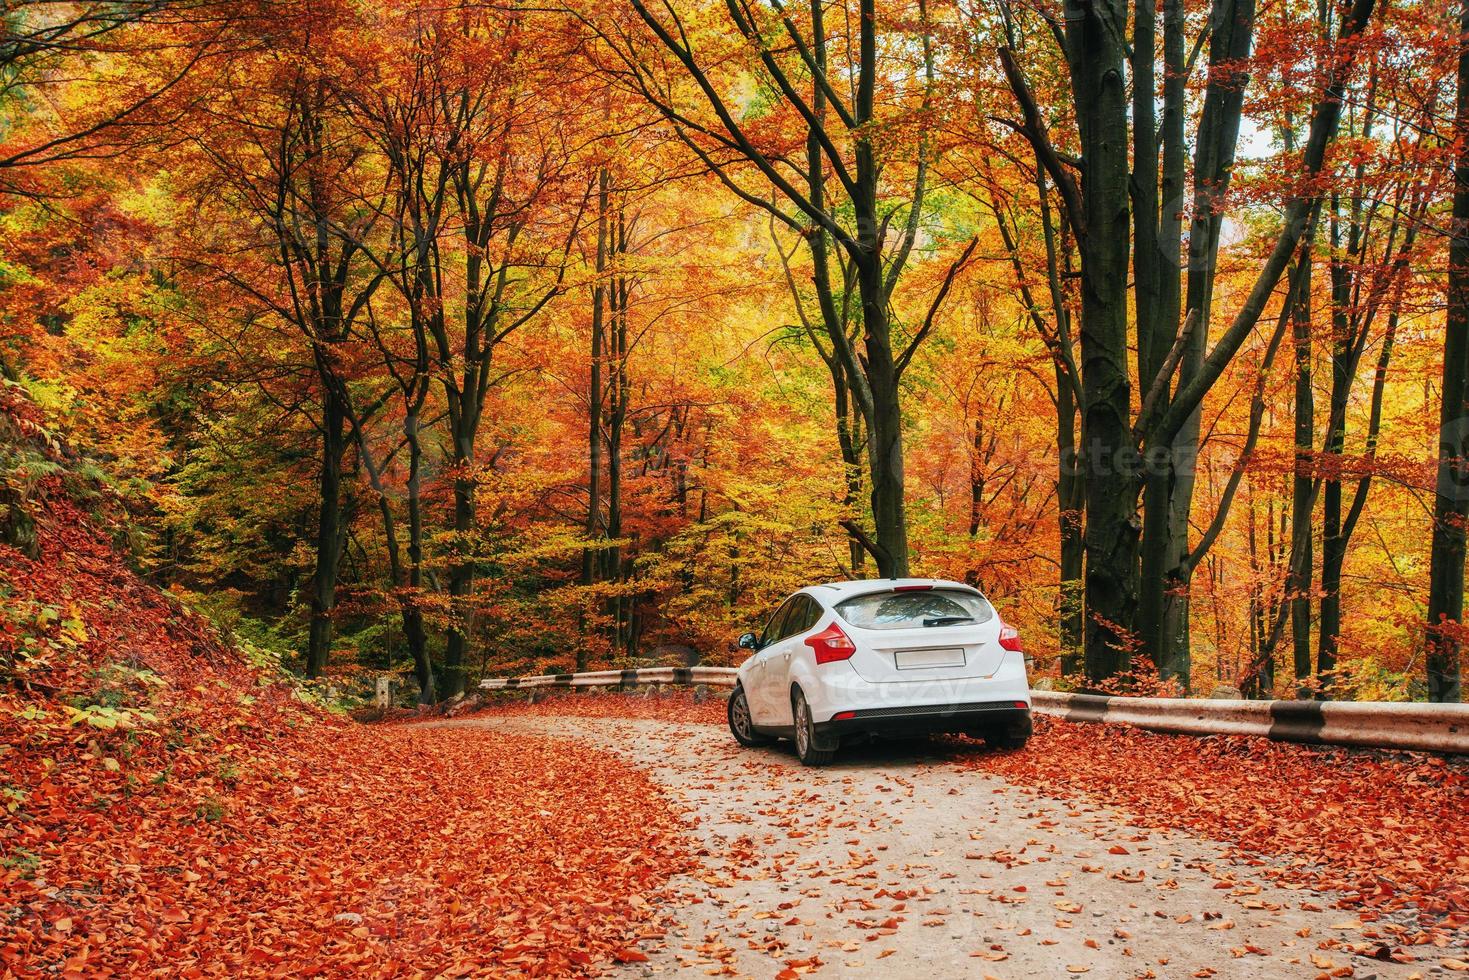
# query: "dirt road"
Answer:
x=896 y=862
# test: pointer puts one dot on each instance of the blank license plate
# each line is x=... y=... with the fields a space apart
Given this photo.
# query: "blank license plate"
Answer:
x=909 y=659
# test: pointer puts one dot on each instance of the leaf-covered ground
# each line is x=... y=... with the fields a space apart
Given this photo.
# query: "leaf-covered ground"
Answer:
x=1382 y=832
x=335 y=850
x=170 y=809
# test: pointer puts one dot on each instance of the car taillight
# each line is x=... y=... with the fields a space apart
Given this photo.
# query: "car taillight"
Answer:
x=912 y=588
x=1009 y=639
x=831 y=645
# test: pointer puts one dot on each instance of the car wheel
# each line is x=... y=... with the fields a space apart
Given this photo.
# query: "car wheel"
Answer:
x=741 y=724
x=810 y=748
x=1011 y=735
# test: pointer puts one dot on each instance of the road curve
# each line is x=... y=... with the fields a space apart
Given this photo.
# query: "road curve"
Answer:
x=896 y=862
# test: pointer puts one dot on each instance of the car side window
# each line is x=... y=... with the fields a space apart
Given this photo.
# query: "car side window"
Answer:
x=802 y=617
x=792 y=622
x=814 y=613
x=777 y=624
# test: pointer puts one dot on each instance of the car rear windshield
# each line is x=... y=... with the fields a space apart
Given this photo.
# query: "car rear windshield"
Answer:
x=907 y=610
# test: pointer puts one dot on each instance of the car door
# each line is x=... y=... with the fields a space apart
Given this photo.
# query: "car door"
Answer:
x=758 y=694
x=777 y=679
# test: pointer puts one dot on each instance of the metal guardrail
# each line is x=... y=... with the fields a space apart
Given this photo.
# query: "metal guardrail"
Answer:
x=1362 y=724
x=712 y=676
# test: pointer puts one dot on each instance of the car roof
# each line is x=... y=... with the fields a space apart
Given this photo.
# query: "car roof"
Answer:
x=837 y=591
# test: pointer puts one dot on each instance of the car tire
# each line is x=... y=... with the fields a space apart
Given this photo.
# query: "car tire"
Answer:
x=1010 y=736
x=741 y=722
x=811 y=748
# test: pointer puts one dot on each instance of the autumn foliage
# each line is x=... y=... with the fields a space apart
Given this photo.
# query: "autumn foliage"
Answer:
x=444 y=342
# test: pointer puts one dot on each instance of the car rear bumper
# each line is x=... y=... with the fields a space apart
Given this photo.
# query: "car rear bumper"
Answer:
x=838 y=690
x=925 y=719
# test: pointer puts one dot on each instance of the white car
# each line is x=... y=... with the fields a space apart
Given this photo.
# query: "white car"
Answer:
x=853 y=660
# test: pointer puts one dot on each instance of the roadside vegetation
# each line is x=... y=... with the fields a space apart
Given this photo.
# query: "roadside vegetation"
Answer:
x=172 y=800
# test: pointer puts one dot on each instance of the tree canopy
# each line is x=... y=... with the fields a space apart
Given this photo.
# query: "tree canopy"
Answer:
x=488 y=338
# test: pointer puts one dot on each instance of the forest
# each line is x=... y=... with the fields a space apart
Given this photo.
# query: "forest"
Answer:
x=462 y=340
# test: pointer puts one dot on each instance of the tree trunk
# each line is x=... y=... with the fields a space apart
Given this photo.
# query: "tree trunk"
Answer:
x=1256 y=683
x=1070 y=482
x=1149 y=270
x=885 y=434
x=850 y=440
x=461 y=567
x=976 y=478
x=413 y=628
x=1166 y=569
x=618 y=392
x=1154 y=335
x=1095 y=33
x=1070 y=497
x=406 y=583
x=1158 y=318
x=1298 y=585
x=329 y=535
x=1451 y=503
x=1343 y=373
x=595 y=397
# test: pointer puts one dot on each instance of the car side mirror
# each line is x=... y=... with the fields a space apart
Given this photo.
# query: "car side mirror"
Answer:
x=749 y=641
